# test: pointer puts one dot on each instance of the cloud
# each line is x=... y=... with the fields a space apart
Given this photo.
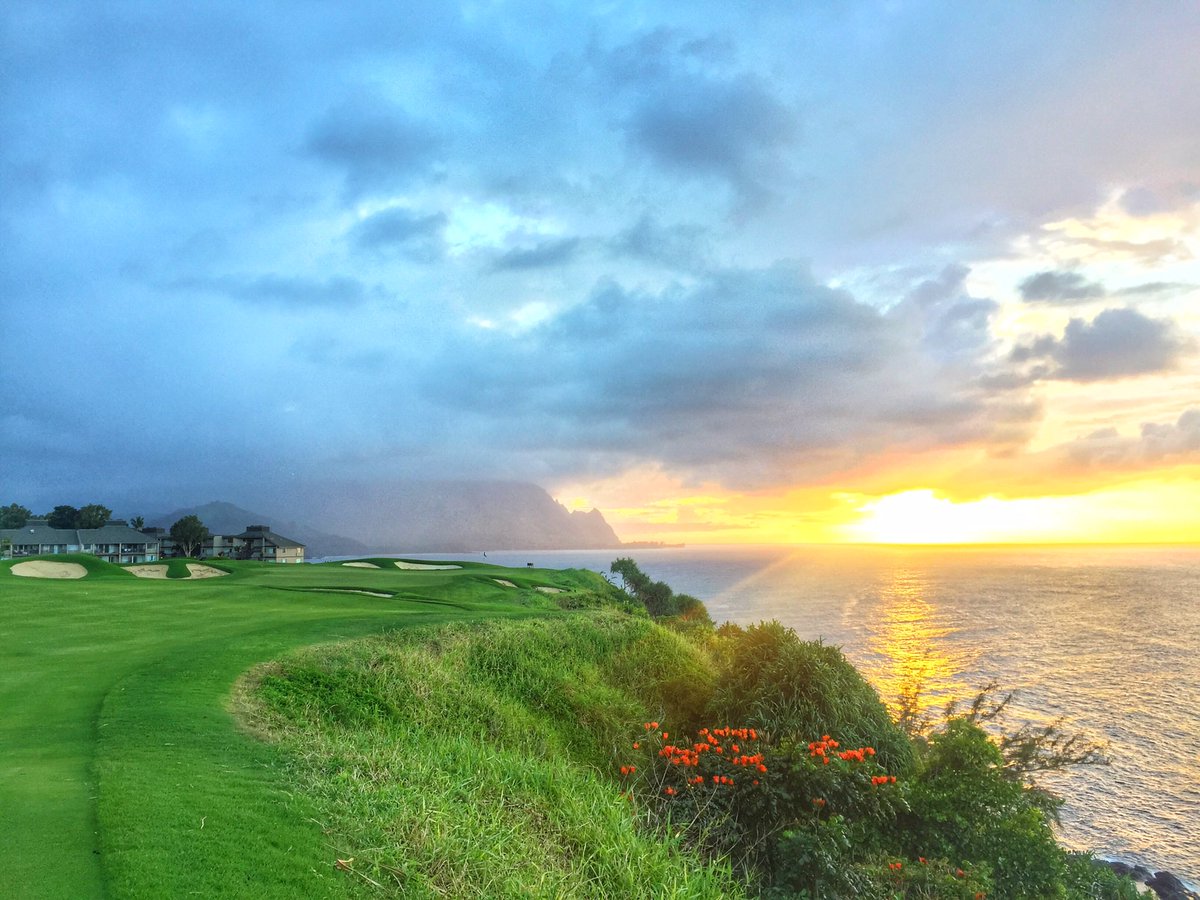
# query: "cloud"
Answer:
x=594 y=160
x=1060 y=288
x=683 y=245
x=288 y=291
x=1158 y=443
x=749 y=375
x=544 y=255
x=404 y=232
x=1143 y=200
x=732 y=129
x=1118 y=343
x=375 y=143
x=951 y=323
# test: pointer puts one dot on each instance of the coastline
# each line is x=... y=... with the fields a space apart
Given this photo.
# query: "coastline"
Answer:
x=1163 y=884
x=748 y=584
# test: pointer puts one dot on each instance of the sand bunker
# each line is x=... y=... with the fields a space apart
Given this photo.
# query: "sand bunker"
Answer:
x=408 y=565
x=40 y=568
x=148 y=571
x=361 y=565
x=196 y=569
x=503 y=582
x=546 y=590
x=199 y=571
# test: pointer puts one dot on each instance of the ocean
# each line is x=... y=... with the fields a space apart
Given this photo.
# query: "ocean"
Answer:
x=1104 y=638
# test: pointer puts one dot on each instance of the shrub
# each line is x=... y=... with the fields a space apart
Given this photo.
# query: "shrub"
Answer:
x=962 y=807
x=769 y=679
x=789 y=816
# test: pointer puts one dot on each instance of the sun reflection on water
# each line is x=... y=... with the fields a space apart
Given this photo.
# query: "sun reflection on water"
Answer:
x=908 y=653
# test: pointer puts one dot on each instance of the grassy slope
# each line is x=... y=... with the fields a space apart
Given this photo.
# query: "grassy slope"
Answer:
x=120 y=766
x=477 y=759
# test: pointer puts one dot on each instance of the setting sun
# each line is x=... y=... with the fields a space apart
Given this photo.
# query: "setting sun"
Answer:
x=1145 y=512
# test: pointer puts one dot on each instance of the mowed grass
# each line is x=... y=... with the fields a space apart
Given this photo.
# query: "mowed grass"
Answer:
x=123 y=772
x=478 y=759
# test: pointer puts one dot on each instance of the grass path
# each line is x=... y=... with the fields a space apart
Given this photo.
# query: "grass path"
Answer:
x=121 y=772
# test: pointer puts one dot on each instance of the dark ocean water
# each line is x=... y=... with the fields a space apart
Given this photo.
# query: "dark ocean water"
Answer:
x=1106 y=638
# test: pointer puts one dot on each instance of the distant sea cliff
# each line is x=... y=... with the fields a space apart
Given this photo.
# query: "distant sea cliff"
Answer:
x=416 y=517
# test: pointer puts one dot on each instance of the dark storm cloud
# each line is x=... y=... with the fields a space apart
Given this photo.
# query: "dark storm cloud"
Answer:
x=1118 y=343
x=376 y=143
x=543 y=255
x=1060 y=288
x=402 y=231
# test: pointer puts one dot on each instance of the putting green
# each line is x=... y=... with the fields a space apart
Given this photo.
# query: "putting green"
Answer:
x=122 y=772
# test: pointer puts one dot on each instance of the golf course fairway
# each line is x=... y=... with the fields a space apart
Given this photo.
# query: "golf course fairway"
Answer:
x=122 y=770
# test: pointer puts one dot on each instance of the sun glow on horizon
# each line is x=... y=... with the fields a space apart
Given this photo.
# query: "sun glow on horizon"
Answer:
x=1161 y=509
x=1147 y=512
x=922 y=517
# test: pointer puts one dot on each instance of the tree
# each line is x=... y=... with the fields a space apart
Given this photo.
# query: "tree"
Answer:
x=137 y=522
x=64 y=517
x=94 y=516
x=189 y=535
x=14 y=516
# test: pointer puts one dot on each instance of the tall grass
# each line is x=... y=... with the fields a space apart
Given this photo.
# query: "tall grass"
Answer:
x=474 y=759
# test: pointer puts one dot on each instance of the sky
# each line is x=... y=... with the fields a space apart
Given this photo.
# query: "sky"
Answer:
x=831 y=271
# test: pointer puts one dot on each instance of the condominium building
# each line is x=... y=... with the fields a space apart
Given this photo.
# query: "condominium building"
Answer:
x=115 y=542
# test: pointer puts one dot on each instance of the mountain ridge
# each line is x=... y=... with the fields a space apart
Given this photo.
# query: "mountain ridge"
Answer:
x=416 y=517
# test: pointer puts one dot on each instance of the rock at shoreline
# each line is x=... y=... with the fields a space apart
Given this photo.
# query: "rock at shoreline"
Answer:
x=1169 y=887
x=1164 y=884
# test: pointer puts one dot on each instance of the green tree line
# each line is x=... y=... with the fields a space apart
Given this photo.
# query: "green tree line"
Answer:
x=94 y=515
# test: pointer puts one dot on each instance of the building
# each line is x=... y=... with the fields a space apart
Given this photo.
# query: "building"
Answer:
x=115 y=542
x=260 y=542
x=257 y=542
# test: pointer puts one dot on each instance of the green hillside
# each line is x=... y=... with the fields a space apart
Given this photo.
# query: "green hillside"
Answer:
x=391 y=728
x=121 y=766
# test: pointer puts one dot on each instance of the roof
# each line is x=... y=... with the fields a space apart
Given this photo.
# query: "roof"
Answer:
x=37 y=533
x=40 y=534
x=115 y=534
x=271 y=537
